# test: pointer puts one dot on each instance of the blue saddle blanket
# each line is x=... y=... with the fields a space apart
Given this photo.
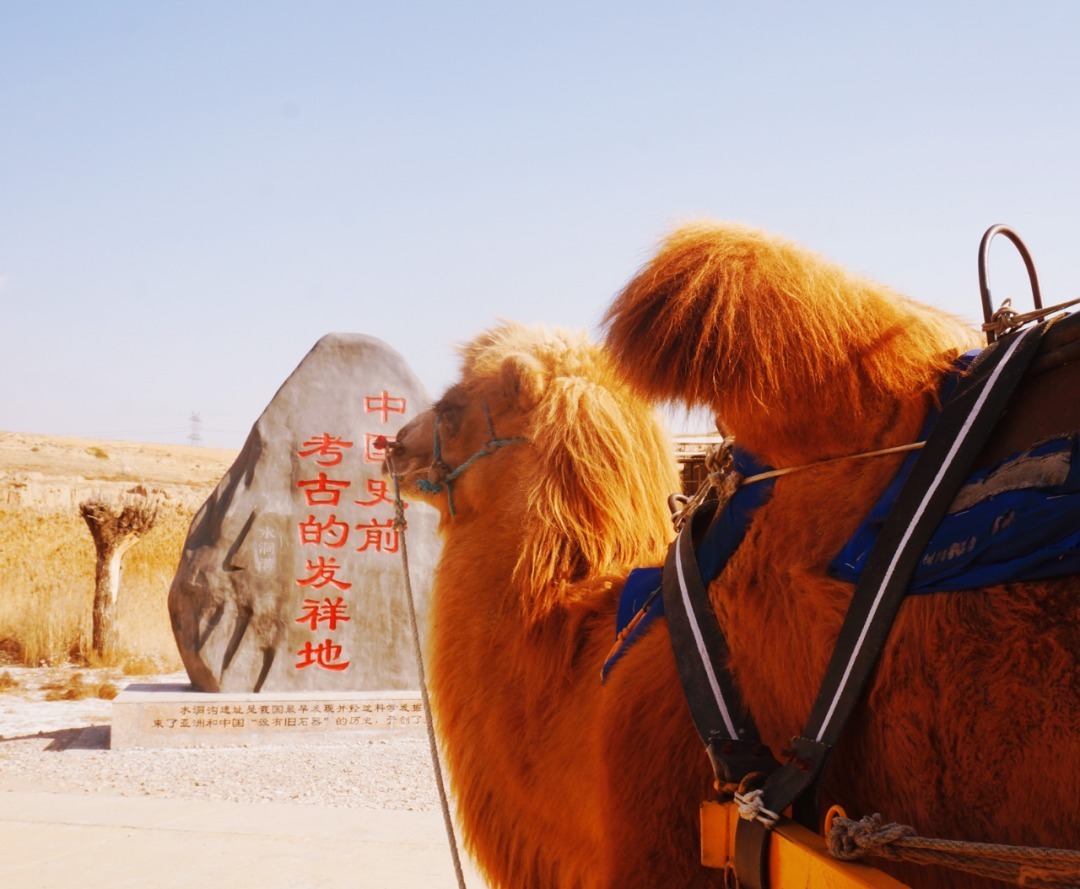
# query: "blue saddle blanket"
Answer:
x=1018 y=520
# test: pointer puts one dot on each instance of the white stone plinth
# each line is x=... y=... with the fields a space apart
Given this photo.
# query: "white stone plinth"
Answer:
x=148 y=715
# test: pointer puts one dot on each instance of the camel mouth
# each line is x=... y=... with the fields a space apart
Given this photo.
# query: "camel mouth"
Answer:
x=406 y=473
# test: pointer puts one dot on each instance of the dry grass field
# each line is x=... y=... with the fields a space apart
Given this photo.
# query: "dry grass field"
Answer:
x=47 y=556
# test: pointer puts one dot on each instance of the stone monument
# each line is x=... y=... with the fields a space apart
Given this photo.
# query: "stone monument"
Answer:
x=291 y=575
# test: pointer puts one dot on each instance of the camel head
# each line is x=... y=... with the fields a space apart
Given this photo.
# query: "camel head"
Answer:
x=542 y=433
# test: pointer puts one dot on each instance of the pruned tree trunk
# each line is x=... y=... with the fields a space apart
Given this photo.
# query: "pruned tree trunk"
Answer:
x=116 y=527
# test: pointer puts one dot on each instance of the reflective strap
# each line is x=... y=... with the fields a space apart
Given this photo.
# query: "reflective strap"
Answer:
x=701 y=652
x=917 y=523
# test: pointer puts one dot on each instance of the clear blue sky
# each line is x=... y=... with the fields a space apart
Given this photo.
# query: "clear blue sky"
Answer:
x=192 y=193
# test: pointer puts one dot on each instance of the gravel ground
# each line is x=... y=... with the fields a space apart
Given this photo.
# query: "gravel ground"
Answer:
x=63 y=746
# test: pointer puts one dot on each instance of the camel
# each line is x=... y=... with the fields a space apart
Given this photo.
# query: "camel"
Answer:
x=551 y=479
x=970 y=726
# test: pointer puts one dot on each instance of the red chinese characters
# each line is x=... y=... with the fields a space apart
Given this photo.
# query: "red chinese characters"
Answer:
x=323 y=532
x=325 y=572
x=326 y=655
x=322 y=491
x=329 y=612
x=326 y=449
x=379 y=536
x=380 y=493
x=332 y=533
x=383 y=404
x=325 y=480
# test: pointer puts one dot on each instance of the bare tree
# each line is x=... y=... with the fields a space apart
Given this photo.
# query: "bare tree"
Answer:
x=116 y=526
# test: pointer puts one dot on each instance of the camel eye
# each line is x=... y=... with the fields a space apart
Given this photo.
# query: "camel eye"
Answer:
x=450 y=410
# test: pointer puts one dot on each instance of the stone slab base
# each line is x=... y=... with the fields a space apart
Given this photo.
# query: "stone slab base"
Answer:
x=162 y=715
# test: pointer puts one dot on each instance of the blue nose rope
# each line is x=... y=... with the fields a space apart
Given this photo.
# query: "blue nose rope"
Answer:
x=445 y=477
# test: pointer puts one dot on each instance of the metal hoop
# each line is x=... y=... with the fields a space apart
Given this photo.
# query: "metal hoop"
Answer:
x=984 y=285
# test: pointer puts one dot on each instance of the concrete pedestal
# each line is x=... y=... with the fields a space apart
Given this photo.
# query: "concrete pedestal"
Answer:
x=148 y=715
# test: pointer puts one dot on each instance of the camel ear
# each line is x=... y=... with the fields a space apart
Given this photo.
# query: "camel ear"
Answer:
x=522 y=379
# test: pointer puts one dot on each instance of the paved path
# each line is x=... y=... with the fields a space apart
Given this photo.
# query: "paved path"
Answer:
x=83 y=841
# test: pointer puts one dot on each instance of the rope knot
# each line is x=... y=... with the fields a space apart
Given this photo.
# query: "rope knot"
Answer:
x=400 y=524
x=751 y=808
x=850 y=840
x=1007 y=319
x=720 y=476
x=437 y=475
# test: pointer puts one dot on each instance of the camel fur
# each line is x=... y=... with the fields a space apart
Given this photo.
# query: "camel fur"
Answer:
x=970 y=727
x=560 y=781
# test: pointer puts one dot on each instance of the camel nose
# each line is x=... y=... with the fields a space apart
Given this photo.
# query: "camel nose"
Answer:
x=390 y=447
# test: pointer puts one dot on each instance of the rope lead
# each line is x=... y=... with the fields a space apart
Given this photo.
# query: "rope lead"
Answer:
x=1026 y=866
x=400 y=525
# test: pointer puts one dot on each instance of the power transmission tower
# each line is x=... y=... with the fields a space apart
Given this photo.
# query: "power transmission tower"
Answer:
x=194 y=436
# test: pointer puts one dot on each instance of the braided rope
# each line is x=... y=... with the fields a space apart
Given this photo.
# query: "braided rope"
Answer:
x=1027 y=866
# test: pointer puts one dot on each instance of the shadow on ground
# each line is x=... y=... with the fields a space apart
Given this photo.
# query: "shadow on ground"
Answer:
x=94 y=737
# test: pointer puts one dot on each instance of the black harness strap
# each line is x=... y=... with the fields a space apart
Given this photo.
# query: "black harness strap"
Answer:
x=701 y=651
x=939 y=472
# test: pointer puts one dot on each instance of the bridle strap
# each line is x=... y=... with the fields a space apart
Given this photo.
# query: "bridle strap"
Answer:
x=447 y=476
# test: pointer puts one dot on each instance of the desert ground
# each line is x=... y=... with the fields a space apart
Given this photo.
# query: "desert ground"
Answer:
x=51 y=739
x=39 y=470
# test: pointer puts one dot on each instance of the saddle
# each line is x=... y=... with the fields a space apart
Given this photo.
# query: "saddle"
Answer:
x=1047 y=401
